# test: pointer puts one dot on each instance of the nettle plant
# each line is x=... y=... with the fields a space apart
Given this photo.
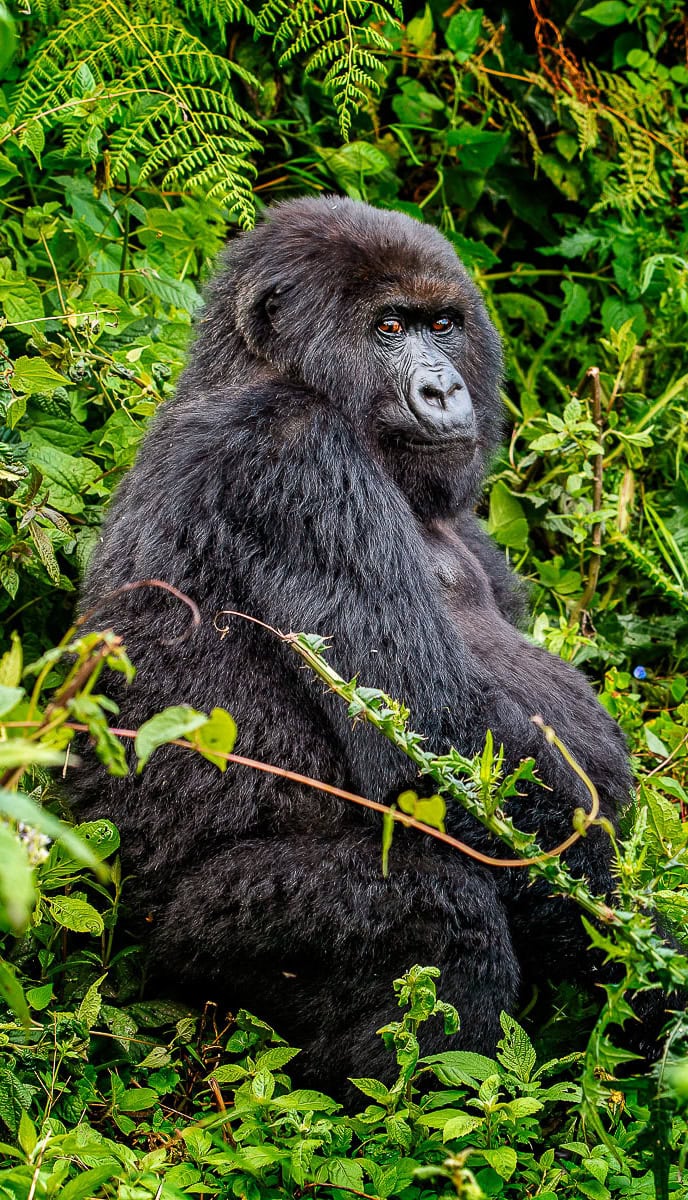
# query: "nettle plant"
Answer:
x=476 y=1131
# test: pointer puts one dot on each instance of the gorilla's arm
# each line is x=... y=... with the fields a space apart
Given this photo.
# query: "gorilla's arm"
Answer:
x=510 y=592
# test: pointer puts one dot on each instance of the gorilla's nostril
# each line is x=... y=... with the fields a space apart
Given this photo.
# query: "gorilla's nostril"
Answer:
x=432 y=394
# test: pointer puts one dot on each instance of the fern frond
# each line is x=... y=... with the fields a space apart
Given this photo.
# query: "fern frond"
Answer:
x=652 y=571
x=632 y=118
x=172 y=96
x=218 y=12
x=341 y=39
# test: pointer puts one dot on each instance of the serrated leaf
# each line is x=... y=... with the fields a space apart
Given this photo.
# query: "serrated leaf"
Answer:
x=35 y=375
x=459 y=1126
x=302 y=1157
x=306 y=1100
x=89 y=1009
x=515 y=1051
x=228 y=1073
x=275 y=1058
x=45 y=550
x=77 y=915
x=503 y=1160
x=461 y=1066
x=373 y=1088
x=522 y=1106
x=158 y=1057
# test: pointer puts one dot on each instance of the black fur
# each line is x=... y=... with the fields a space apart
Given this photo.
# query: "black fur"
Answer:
x=266 y=486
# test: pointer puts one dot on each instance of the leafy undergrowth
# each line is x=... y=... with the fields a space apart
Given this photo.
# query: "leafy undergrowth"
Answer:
x=108 y=1095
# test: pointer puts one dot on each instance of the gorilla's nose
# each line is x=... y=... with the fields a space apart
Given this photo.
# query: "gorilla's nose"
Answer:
x=441 y=402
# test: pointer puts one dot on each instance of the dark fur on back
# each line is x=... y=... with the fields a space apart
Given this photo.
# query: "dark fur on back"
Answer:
x=264 y=487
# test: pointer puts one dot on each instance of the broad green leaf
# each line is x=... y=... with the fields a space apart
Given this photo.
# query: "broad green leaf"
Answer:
x=306 y=1100
x=217 y=733
x=89 y=1009
x=26 y=1135
x=461 y=1066
x=20 y=298
x=11 y=662
x=503 y=1160
x=302 y=1157
x=8 y=37
x=21 y=752
x=40 y=997
x=515 y=1050
x=77 y=915
x=8 y=170
x=507 y=522
x=178 y=721
x=101 y=837
x=228 y=1073
x=263 y=1085
x=342 y=1172
x=17 y=896
x=9 y=698
x=373 y=1088
x=463 y=32
x=35 y=375
x=12 y=992
x=275 y=1058
x=419 y=29
x=460 y=1125
x=608 y=12
x=69 y=477
x=137 y=1099
x=523 y=1106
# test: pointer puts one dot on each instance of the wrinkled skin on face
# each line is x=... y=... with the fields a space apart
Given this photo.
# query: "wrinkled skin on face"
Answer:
x=432 y=409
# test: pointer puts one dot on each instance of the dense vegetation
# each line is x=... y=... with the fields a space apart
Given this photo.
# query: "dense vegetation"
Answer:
x=548 y=143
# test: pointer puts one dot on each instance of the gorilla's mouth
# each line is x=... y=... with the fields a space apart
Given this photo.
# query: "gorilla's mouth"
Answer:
x=439 y=445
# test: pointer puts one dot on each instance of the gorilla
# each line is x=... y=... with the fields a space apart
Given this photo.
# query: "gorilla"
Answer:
x=317 y=470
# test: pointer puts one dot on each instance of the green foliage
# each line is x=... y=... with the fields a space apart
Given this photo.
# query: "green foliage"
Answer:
x=548 y=143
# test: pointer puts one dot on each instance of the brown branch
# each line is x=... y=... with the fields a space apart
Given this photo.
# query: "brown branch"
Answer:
x=139 y=583
x=592 y=375
x=400 y=817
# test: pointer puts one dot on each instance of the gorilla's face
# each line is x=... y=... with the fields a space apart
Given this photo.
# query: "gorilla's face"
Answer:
x=375 y=312
x=425 y=424
x=430 y=407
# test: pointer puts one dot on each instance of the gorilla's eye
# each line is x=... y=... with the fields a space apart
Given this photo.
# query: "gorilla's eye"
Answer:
x=442 y=324
x=390 y=325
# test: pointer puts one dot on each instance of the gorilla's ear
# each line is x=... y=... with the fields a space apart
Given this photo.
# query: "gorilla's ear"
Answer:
x=272 y=304
x=257 y=315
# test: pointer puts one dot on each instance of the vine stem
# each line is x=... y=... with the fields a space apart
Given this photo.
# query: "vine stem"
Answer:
x=318 y=784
